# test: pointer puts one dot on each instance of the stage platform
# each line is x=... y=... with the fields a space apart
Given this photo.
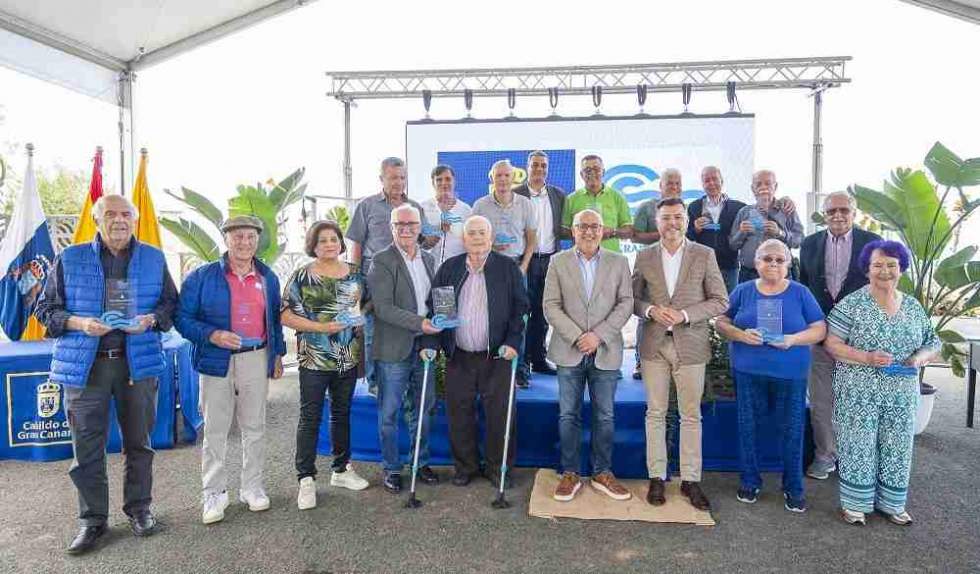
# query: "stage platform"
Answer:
x=537 y=430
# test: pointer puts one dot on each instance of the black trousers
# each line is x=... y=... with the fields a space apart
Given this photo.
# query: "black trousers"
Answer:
x=88 y=414
x=468 y=376
x=537 y=326
x=313 y=387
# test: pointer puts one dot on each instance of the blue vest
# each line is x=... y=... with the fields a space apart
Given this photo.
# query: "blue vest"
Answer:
x=84 y=283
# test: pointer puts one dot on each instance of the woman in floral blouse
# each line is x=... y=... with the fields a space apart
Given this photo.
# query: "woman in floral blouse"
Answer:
x=880 y=338
x=322 y=303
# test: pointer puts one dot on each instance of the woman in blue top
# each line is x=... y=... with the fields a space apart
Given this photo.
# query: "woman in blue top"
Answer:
x=880 y=338
x=771 y=322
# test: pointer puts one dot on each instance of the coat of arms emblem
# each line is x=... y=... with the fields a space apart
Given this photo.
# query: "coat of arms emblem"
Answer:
x=48 y=399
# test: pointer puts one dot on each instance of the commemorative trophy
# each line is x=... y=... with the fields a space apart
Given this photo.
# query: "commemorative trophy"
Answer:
x=769 y=313
x=120 y=307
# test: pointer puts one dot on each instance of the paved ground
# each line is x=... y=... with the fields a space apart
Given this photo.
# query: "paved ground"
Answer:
x=457 y=531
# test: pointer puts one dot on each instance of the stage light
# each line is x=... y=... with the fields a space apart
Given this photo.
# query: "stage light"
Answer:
x=427 y=102
x=553 y=100
x=686 y=90
x=641 y=96
x=511 y=100
x=468 y=100
x=597 y=99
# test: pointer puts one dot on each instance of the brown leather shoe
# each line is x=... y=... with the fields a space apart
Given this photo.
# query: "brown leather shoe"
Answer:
x=607 y=484
x=568 y=487
x=692 y=490
x=655 y=495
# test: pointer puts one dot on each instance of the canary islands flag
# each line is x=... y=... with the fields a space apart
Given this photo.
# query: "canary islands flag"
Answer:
x=25 y=259
x=147 y=227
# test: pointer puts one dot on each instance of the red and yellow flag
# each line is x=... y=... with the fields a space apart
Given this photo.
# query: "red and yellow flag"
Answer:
x=147 y=227
x=86 y=228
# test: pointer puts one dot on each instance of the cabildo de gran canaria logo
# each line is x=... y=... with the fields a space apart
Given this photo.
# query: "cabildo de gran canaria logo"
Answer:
x=48 y=399
x=36 y=416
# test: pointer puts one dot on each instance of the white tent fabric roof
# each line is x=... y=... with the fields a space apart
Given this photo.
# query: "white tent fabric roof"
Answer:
x=968 y=10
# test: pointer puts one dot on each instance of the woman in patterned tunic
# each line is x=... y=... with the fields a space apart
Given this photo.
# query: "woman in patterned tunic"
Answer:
x=317 y=299
x=880 y=338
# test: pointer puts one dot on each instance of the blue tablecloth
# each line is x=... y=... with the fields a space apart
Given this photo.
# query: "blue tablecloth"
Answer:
x=32 y=408
x=537 y=431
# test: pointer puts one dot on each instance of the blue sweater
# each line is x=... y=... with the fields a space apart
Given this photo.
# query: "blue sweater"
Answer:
x=205 y=307
x=799 y=309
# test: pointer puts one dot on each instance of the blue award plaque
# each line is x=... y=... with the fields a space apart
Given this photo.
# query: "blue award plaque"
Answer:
x=769 y=320
x=444 y=308
x=348 y=297
x=900 y=370
x=247 y=317
x=450 y=218
x=758 y=222
x=428 y=229
x=120 y=304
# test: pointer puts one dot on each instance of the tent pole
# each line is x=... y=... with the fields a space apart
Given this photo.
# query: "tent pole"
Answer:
x=814 y=196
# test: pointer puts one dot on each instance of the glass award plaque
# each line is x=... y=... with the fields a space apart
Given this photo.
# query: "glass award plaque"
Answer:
x=444 y=307
x=428 y=229
x=348 y=298
x=900 y=370
x=769 y=320
x=757 y=221
x=711 y=225
x=248 y=318
x=120 y=307
x=450 y=218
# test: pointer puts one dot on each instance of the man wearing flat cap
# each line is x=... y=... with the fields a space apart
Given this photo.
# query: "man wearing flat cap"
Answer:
x=229 y=309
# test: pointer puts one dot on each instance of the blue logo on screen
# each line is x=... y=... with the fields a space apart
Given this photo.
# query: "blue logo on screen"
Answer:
x=37 y=414
x=639 y=183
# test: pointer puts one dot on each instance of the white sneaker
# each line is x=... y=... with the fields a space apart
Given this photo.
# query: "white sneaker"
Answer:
x=256 y=500
x=348 y=479
x=214 y=507
x=307 y=494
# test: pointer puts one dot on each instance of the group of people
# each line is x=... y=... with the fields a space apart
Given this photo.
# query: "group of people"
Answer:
x=836 y=329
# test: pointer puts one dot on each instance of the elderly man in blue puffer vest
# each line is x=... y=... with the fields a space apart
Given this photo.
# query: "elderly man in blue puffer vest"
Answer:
x=97 y=359
x=230 y=310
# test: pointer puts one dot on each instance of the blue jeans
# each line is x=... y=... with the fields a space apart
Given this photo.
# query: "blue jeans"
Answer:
x=730 y=276
x=400 y=389
x=757 y=396
x=602 y=392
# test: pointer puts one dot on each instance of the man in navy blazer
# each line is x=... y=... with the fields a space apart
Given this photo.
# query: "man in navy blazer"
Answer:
x=829 y=268
x=710 y=223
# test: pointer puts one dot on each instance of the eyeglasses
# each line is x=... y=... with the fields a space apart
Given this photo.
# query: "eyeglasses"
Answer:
x=837 y=211
x=593 y=227
x=401 y=225
x=776 y=260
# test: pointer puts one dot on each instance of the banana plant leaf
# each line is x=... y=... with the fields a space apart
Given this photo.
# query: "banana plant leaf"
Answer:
x=193 y=236
x=926 y=223
x=878 y=205
x=949 y=169
x=289 y=190
x=200 y=204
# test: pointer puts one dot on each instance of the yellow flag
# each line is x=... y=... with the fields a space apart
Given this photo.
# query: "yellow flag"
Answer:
x=86 y=228
x=147 y=227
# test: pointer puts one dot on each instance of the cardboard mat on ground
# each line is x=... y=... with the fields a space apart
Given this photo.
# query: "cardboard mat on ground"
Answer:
x=591 y=505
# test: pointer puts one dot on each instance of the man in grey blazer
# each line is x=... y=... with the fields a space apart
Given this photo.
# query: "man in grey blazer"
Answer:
x=399 y=282
x=677 y=288
x=588 y=298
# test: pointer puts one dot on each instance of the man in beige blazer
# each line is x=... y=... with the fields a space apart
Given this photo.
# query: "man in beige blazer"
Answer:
x=587 y=299
x=677 y=288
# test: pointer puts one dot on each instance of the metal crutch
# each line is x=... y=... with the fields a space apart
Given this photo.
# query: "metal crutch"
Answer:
x=412 y=501
x=501 y=502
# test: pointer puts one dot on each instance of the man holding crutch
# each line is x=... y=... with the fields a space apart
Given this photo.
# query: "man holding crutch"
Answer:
x=399 y=282
x=481 y=348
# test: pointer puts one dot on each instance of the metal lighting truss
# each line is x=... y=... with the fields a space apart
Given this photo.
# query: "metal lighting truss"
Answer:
x=815 y=74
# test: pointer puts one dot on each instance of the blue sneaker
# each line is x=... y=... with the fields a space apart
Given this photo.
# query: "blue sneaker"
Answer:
x=794 y=504
x=747 y=495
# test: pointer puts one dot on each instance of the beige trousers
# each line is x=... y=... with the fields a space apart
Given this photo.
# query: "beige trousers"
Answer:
x=689 y=381
x=241 y=394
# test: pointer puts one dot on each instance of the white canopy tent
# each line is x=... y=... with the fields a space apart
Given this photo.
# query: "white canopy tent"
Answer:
x=95 y=47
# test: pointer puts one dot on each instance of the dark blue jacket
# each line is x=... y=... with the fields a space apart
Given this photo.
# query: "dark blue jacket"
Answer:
x=74 y=352
x=813 y=273
x=205 y=306
x=507 y=302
